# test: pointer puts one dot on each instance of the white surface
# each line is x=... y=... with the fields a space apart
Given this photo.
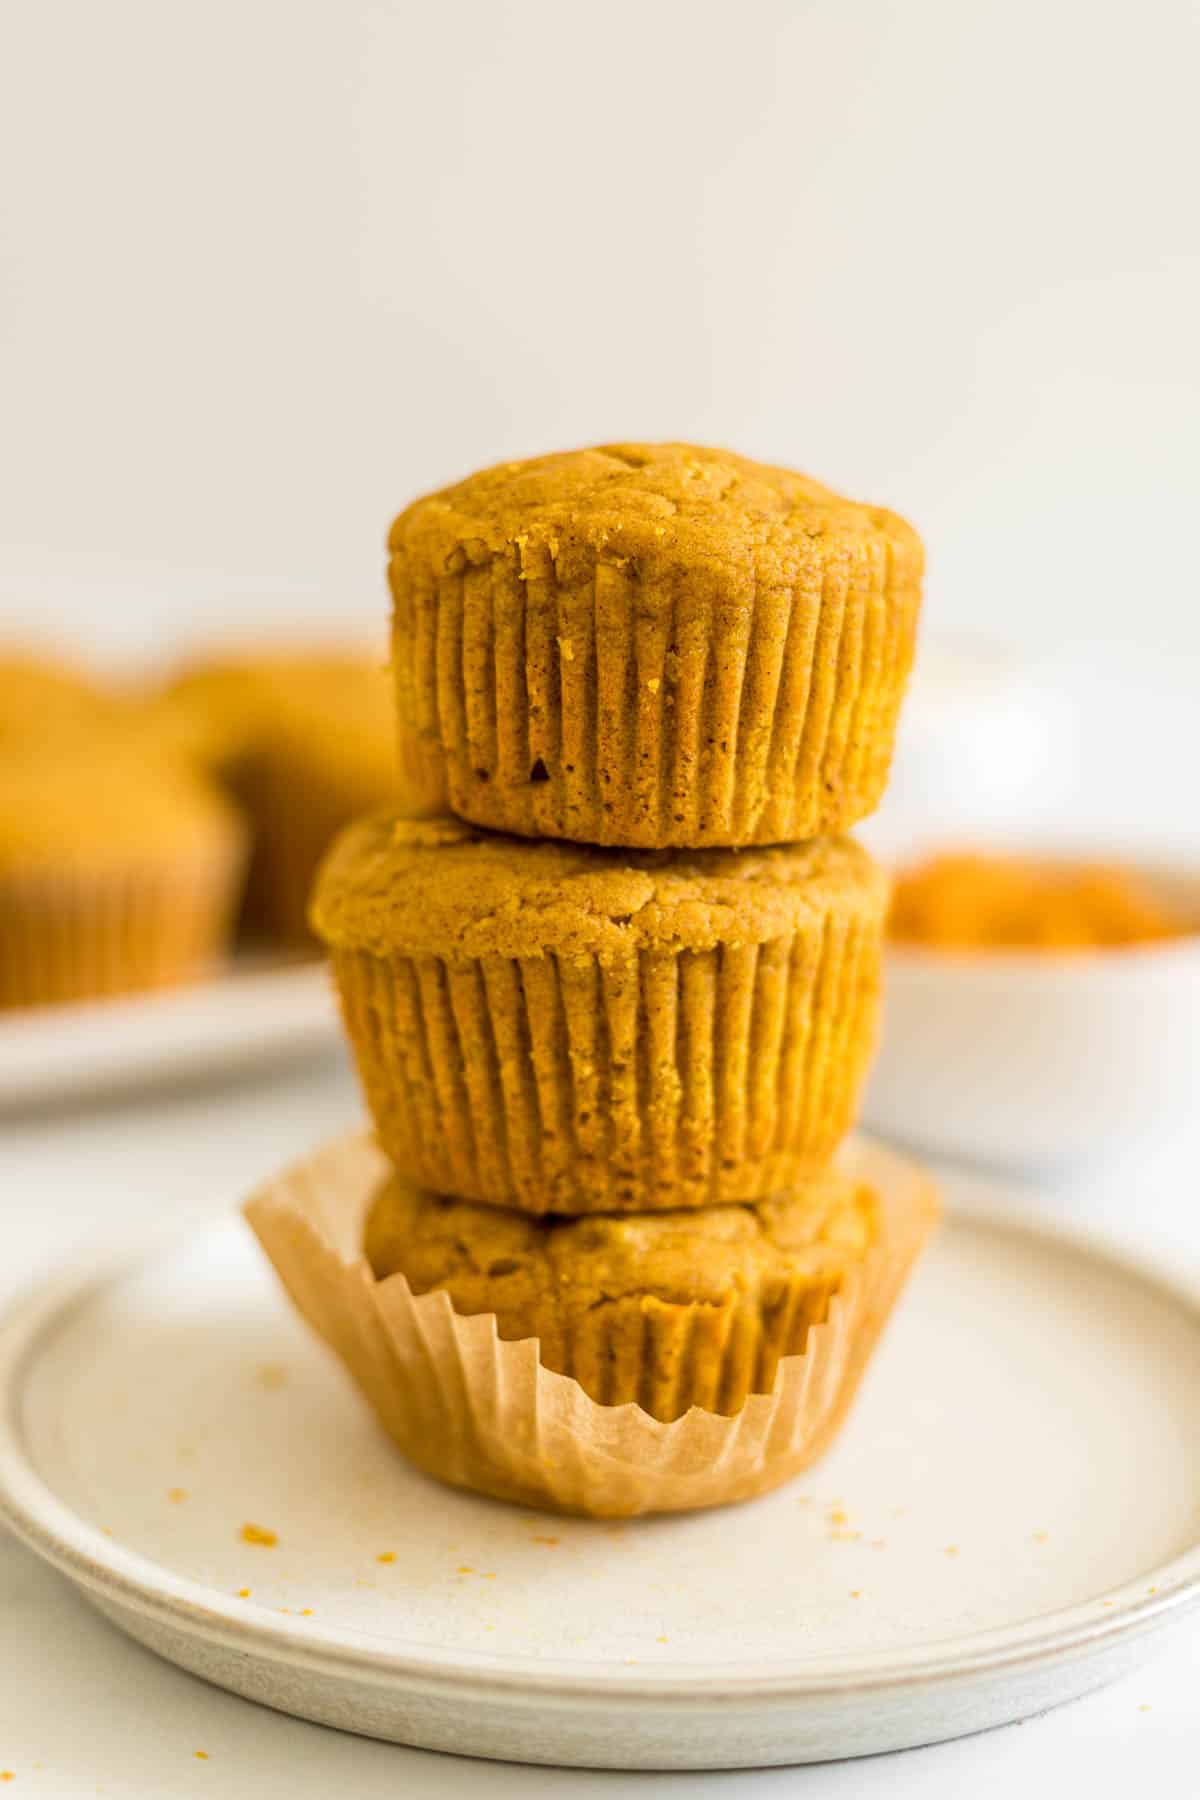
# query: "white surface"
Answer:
x=938 y=1573
x=275 y=269
x=251 y=1015
x=134 y=1723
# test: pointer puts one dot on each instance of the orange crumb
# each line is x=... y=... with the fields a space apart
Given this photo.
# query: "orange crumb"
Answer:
x=856 y=1593
x=544 y=1540
x=177 y=1494
x=106 y=1530
x=7 y=1775
x=951 y=1550
x=243 y=1593
x=1152 y=1590
x=489 y=1575
x=258 y=1534
x=202 y=1754
x=271 y=1376
x=839 y=1516
x=464 y=1569
x=386 y=1556
x=306 y=1612
x=662 y=1640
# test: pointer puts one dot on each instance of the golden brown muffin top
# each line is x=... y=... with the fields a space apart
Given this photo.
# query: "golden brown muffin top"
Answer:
x=987 y=901
x=665 y=507
x=41 y=695
x=441 y=887
x=92 y=801
x=345 y=724
x=488 y=1258
x=219 y=708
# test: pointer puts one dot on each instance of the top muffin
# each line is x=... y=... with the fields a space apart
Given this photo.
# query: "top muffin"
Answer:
x=651 y=645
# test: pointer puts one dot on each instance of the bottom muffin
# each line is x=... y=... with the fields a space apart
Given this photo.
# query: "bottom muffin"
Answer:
x=671 y=1310
x=482 y=1412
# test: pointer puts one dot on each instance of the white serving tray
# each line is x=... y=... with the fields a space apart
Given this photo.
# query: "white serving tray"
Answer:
x=256 y=1012
x=1009 y=1520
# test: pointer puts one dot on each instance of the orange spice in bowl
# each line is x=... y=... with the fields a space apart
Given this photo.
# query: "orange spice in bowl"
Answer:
x=974 y=900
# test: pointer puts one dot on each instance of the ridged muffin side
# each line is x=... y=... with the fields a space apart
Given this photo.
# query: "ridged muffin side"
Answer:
x=571 y=1030
x=118 y=872
x=651 y=645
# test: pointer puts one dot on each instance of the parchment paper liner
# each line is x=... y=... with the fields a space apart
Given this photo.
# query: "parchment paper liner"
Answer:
x=482 y=1413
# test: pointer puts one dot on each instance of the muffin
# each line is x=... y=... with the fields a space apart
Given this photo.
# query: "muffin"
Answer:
x=651 y=645
x=219 y=707
x=305 y=740
x=117 y=872
x=325 y=758
x=42 y=695
x=565 y=1029
x=669 y=1309
x=485 y=1412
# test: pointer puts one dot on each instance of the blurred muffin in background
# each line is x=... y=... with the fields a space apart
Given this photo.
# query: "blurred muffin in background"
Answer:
x=327 y=756
x=41 y=694
x=119 y=870
x=974 y=900
x=218 y=706
x=303 y=737
x=137 y=820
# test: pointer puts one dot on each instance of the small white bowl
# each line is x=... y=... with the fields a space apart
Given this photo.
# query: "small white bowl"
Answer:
x=987 y=744
x=1036 y=1059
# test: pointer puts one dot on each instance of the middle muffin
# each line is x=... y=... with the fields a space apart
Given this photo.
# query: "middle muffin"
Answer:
x=566 y=1029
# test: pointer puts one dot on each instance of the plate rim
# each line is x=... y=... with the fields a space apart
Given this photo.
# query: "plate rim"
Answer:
x=136 y=1042
x=129 y=1580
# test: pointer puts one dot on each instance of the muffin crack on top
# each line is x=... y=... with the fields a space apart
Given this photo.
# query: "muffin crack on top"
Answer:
x=670 y=501
x=434 y=887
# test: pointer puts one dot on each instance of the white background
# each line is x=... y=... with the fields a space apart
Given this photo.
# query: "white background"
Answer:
x=270 y=267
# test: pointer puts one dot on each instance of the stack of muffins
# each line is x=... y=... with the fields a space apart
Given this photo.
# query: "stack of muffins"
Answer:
x=614 y=993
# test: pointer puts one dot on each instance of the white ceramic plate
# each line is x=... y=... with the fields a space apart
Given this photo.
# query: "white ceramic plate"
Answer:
x=1009 y=1520
x=255 y=1013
